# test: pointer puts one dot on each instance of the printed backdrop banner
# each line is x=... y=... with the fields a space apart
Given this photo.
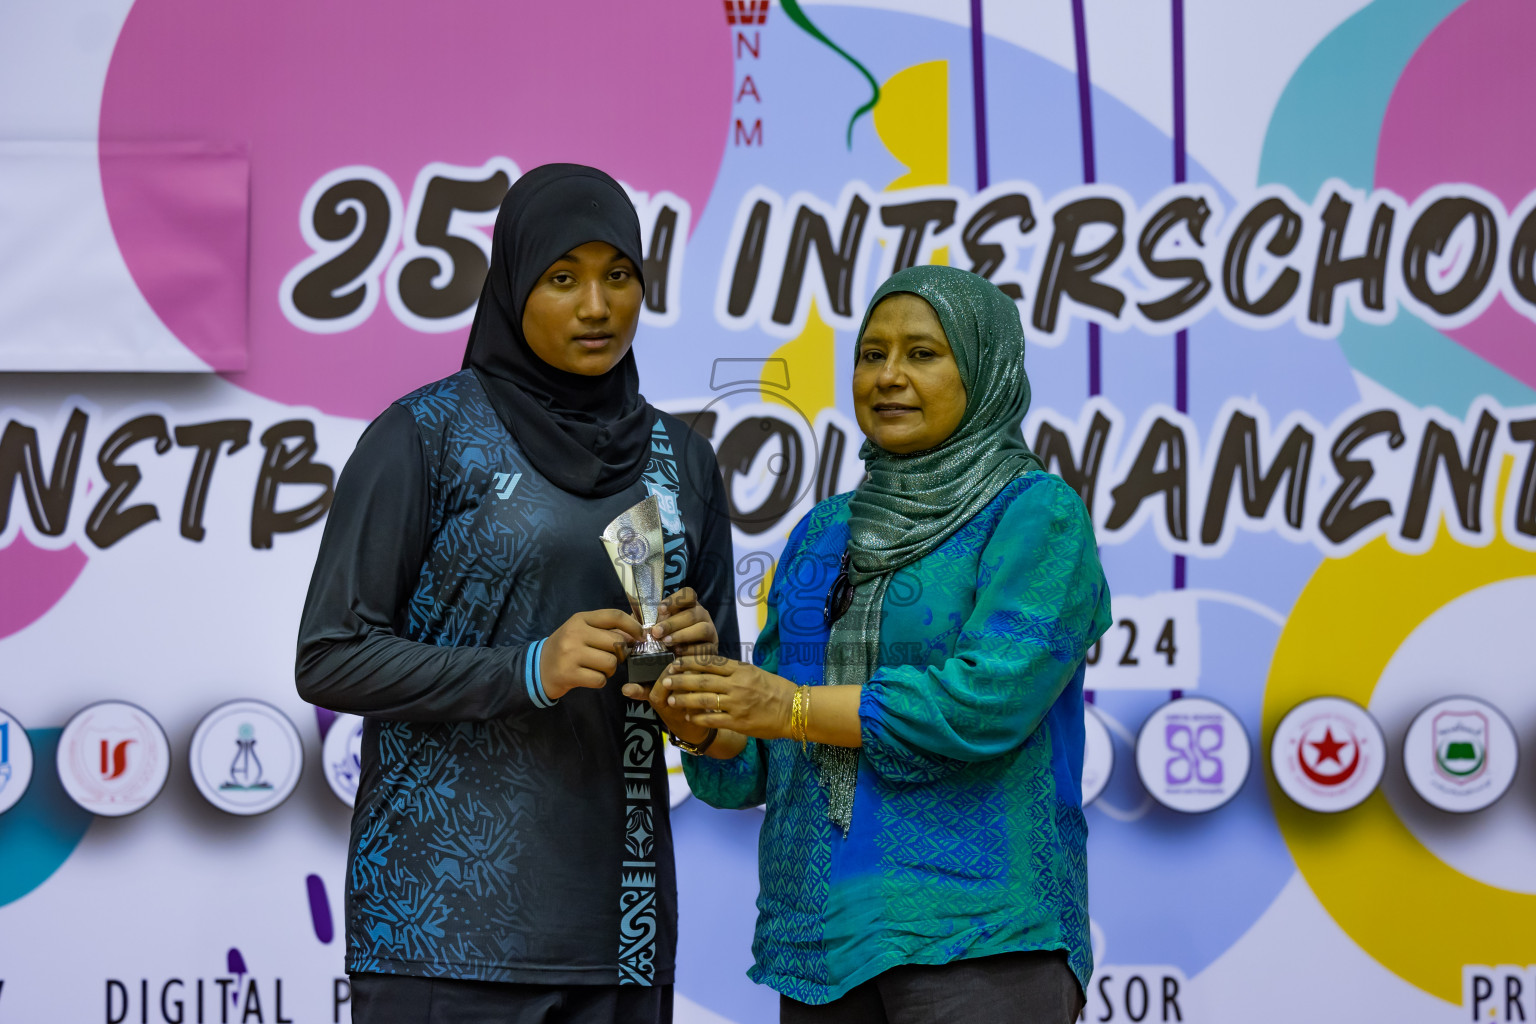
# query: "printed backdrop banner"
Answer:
x=1277 y=269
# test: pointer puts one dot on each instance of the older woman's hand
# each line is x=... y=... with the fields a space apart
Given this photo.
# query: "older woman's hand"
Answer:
x=686 y=625
x=689 y=628
x=718 y=693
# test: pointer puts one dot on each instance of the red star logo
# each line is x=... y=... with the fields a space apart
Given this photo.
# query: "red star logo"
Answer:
x=1328 y=748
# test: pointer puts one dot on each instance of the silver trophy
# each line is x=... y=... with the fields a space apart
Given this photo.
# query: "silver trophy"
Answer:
x=636 y=548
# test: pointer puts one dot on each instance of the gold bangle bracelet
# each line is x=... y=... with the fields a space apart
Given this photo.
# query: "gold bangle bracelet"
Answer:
x=799 y=711
x=800 y=714
x=805 y=717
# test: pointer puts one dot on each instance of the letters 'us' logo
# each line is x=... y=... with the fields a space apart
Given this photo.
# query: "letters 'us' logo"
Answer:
x=114 y=758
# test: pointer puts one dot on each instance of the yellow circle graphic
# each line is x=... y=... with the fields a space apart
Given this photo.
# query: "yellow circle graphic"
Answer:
x=1416 y=915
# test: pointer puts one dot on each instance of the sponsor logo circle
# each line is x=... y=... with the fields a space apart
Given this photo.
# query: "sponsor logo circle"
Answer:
x=342 y=757
x=113 y=758
x=246 y=757
x=1192 y=755
x=1328 y=754
x=1098 y=755
x=15 y=761
x=1460 y=754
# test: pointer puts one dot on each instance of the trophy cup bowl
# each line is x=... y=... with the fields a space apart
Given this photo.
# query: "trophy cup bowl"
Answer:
x=636 y=547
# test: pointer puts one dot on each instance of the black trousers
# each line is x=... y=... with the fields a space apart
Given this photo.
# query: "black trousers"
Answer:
x=399 y=999
x=1010 y=988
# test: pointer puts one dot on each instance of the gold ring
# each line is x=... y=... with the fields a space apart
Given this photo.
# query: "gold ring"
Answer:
x=717 y=703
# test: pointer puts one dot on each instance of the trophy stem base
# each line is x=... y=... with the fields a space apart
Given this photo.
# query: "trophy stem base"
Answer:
x=646 y=668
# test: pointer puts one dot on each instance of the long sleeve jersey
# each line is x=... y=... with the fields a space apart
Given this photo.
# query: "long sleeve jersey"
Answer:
x=498 y=835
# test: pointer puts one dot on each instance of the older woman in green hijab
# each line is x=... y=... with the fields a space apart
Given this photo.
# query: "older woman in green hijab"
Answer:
x=913 y=718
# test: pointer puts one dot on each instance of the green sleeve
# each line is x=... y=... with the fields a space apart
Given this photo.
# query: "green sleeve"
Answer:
x=741 y=781
x=1041 y=601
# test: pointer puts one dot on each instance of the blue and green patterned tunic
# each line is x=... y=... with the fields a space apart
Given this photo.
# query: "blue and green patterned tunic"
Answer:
x=968 y=833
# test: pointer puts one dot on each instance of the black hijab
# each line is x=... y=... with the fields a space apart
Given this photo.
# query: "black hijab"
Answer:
x=590 y=435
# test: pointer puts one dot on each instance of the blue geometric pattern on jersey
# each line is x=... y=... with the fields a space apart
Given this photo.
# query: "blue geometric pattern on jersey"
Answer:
x=436 y=883
x=968 y=837
x=465 y=585
x=642 y=740
x=464 y=836
x=637 y=881
x=661 y=480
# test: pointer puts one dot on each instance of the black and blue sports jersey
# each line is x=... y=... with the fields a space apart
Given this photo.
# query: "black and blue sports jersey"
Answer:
x=498 y=835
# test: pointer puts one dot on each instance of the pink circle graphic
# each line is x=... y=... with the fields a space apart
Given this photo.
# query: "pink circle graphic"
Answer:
x=36 y=579
x=1449 y=120
x=641 y=90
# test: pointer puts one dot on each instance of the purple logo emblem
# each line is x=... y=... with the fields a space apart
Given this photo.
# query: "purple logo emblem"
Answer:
x=1194 y=748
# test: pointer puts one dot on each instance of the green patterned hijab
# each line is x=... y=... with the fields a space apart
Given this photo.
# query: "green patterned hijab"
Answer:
x=911 y=504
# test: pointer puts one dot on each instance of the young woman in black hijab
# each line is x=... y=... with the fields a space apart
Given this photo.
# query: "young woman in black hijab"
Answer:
x=511 y=856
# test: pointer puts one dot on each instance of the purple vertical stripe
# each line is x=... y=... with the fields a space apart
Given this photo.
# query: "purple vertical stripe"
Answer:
x=979 y=94
x=1084 y=90
x=1181 y=371
x=1180 y=402
x=319 y=908
x=1178 y=92
x=1180 y=168
x=1181 y=340
x=1090 y=172
x=1095 y=385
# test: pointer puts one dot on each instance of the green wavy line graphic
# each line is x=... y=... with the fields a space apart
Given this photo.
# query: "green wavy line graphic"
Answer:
x=796 y=15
